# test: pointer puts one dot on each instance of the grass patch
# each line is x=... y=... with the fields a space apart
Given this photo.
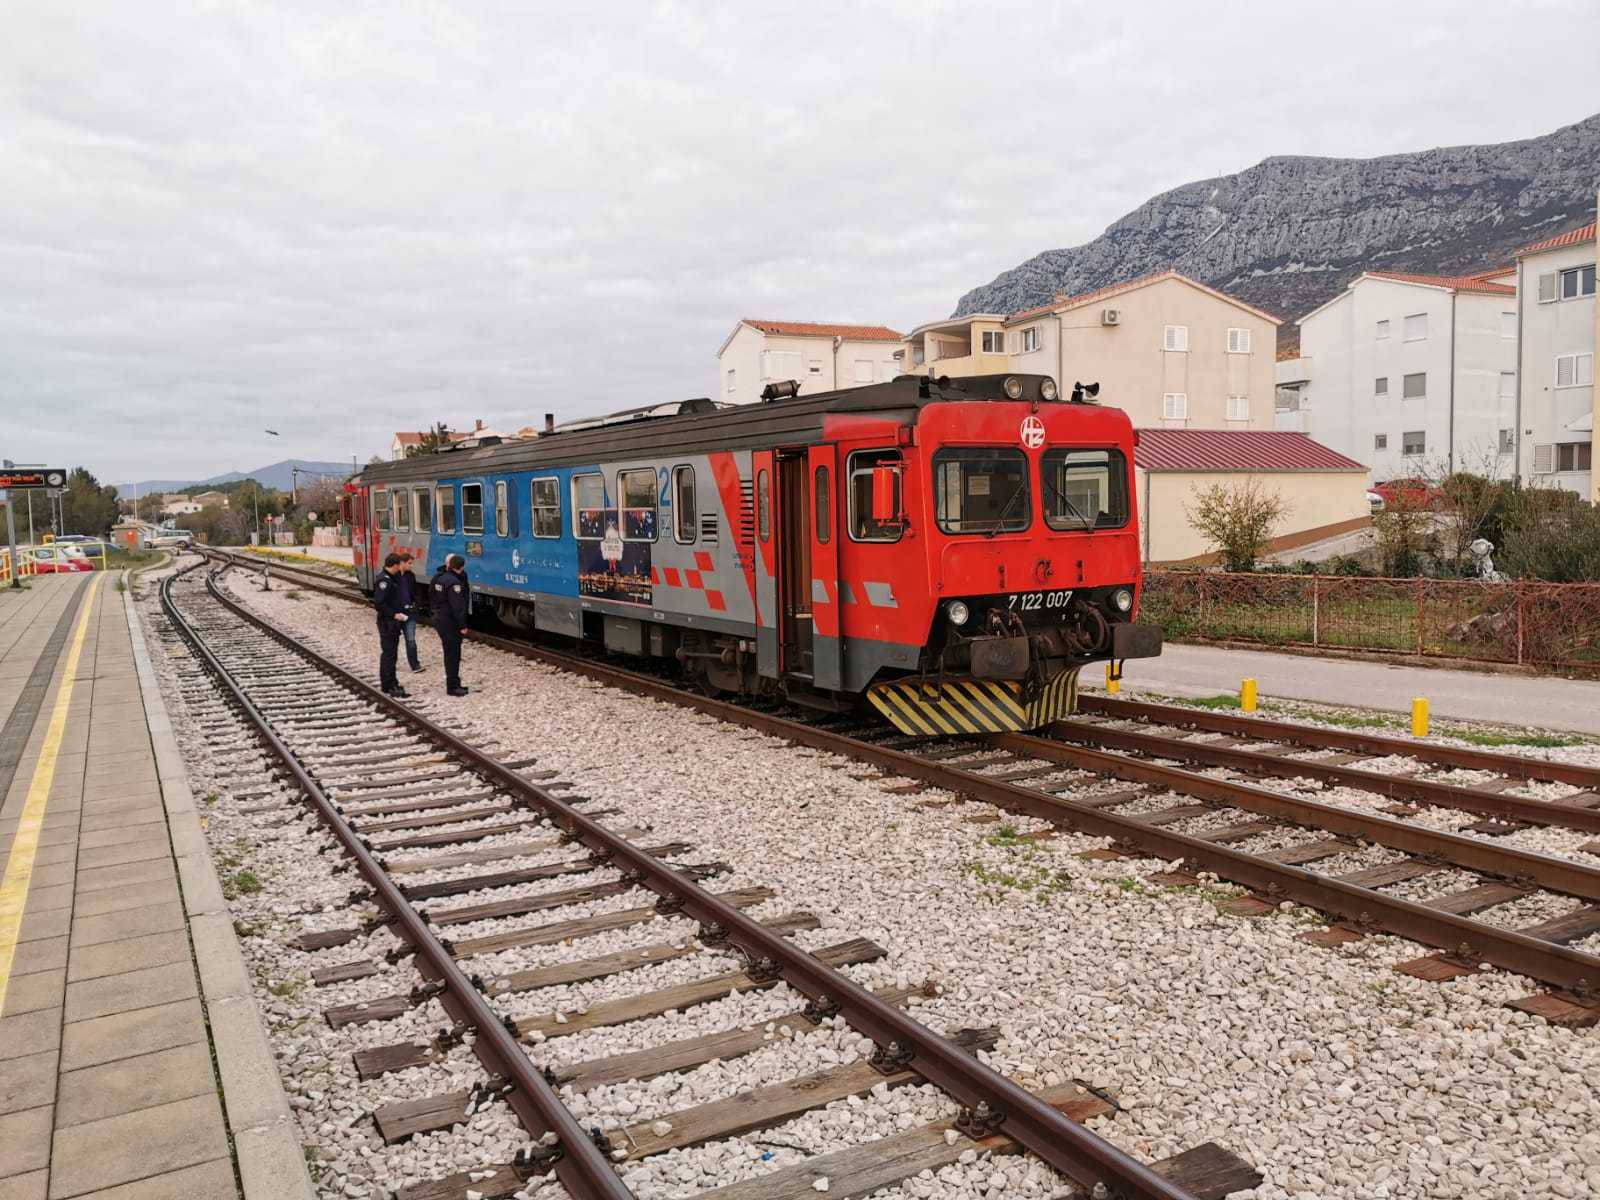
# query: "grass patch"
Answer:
x=245 y=929
x=1541 y=741
x=241 y=883
x=288 y=989
x=1212 y=702
x=313 y=1155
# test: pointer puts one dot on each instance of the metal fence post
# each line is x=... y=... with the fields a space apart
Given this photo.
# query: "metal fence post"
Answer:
x=1522 y=617
x=1316 y=610
x=1421 y=586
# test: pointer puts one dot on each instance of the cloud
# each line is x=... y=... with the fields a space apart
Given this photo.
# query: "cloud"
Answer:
x=338 y=220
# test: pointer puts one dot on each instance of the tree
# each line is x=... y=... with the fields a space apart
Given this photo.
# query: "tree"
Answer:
x=1406 y=531
x=88 y=508
x=437 y=438
x=1238 y=519
x=1550 y=534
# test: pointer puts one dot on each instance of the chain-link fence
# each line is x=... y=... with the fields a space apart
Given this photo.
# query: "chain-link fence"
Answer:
x=1551 y=625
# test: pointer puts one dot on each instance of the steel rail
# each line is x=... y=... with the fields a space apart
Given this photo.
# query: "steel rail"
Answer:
x=1515 y=765
x=1076 y=1151
x=1471 y=854
x=1364 y=908
x=1398 y=787
x=581 y=1166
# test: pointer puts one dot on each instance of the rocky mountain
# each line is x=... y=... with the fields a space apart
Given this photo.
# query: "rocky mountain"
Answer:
x=278 y=475
x=1289 y=232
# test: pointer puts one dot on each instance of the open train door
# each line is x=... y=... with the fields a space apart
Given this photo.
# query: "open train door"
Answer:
x=767 y=664
x=827 y=646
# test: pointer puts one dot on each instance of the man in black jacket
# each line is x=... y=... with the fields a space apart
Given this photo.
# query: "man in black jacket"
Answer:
x=392 y=615
x=452 y=598
x=410 y=593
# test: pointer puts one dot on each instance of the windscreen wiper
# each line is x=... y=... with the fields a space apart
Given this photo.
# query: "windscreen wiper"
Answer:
x=1005 y=511
x=1071 y=507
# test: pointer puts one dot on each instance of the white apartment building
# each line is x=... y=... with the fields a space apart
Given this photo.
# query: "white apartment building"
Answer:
x=1556 y=401
x=821 y=357
x=1406 y=372
x=1169 y=350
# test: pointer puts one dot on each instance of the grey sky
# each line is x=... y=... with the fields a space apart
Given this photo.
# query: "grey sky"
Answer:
x=339 y=219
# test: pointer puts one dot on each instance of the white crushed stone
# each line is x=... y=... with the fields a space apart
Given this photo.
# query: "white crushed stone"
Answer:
x=1334 y=1075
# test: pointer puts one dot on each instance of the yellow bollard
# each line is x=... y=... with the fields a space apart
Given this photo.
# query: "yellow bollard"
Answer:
x=1419 y=717
x=1113 y=684
x=1247 y=696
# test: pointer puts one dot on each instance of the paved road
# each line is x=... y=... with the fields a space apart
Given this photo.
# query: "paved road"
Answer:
x=1463 y=695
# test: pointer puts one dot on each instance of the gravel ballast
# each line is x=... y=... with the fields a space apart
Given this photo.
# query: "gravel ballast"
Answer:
x=1330 y=1072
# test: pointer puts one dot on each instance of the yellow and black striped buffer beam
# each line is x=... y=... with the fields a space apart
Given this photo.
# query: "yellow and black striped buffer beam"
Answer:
x=956 y=705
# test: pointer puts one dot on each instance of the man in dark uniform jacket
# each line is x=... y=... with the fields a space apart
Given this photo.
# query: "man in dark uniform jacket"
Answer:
x=392 y=615
x=410 y=593
x=452 y=596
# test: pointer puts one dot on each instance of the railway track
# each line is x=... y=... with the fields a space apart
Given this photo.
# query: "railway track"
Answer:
x=1200 y=806
x=456 y=850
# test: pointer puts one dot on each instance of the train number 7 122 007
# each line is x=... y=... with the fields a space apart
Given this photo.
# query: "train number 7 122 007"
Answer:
x=1023 y=602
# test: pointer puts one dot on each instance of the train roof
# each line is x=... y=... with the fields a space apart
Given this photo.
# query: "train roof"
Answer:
x=787 y=422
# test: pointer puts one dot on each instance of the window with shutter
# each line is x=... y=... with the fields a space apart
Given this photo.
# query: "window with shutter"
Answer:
x=732 y=375
x=1380 y=386
x=1574 y=370
x=1508 y=441
x=1175 y=337
x=1238 y=341
x=1238 y=408
x=1416 y=327
x=1383 y=329
x=1414 y=443
x=1415 y=386
x=1380 y=441
x=1508 y=385
x=1508 y=324
x=1544 y=459
x=1175 y=406
x=1030 y=339
x=993 y=342
x=1547 y=287
x=863 y=370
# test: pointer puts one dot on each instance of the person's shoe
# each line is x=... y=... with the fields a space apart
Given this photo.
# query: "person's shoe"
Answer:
x=418 y=667
x=457 y=691
x=399 y=693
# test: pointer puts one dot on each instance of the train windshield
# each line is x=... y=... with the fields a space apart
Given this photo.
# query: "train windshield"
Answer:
x=981 y=489
x=1084 y=489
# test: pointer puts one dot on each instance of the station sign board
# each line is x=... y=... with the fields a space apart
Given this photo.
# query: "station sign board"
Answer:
x=32 y=479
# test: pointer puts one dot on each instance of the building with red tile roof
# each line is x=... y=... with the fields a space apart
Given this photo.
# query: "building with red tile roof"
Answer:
x=1557 y=403
x=820 y=356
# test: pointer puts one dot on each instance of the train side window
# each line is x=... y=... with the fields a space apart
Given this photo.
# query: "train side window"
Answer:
x=502 y=513
x=862 y=526
x=683 y=504
x=544 y=494
x=445 y=494
x=824 y=525
x=402 y=509
x=763 y=506
x=590 y=515
x=472 y=508
x=638 y=492
x=380 y=508
x=422 y=515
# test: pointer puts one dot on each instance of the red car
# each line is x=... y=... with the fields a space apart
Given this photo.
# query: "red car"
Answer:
x=58 y=560
x=1409 y=493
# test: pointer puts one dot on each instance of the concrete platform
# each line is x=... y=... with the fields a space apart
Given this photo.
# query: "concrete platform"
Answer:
x=120 y=981
x=1572 y=705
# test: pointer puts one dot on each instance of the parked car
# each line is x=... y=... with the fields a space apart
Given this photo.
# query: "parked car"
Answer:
x=1409 y=493
x=59 y=560
x=1375 y=500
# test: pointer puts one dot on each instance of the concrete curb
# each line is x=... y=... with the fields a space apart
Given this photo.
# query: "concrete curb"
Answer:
x=266 y=1137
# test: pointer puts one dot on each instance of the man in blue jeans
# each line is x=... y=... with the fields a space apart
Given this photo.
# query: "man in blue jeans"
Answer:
x=408 y=587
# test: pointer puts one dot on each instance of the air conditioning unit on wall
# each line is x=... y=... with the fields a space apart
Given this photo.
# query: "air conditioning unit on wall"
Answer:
x=1111 y=316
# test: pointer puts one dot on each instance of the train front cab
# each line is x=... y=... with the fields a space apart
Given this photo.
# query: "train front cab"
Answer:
x=872 y=544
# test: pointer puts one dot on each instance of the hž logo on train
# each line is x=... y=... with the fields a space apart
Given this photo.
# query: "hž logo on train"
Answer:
x=1032 y=432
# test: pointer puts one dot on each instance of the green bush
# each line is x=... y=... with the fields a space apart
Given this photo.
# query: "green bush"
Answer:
x=1550 y=535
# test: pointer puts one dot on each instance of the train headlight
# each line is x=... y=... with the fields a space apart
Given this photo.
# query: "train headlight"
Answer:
x=958 y=612
x=1013 y=387
x=1047 y=388
x=1122 y=599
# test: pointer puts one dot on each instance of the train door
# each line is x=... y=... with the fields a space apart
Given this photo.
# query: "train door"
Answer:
x=827 y=633
x=767 y=619
x=793 y=522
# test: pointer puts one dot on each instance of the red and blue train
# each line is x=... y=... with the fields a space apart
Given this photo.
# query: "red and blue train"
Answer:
x=952 y=550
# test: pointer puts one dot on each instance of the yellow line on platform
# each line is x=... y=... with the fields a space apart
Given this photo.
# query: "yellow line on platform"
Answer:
x=19 y=865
